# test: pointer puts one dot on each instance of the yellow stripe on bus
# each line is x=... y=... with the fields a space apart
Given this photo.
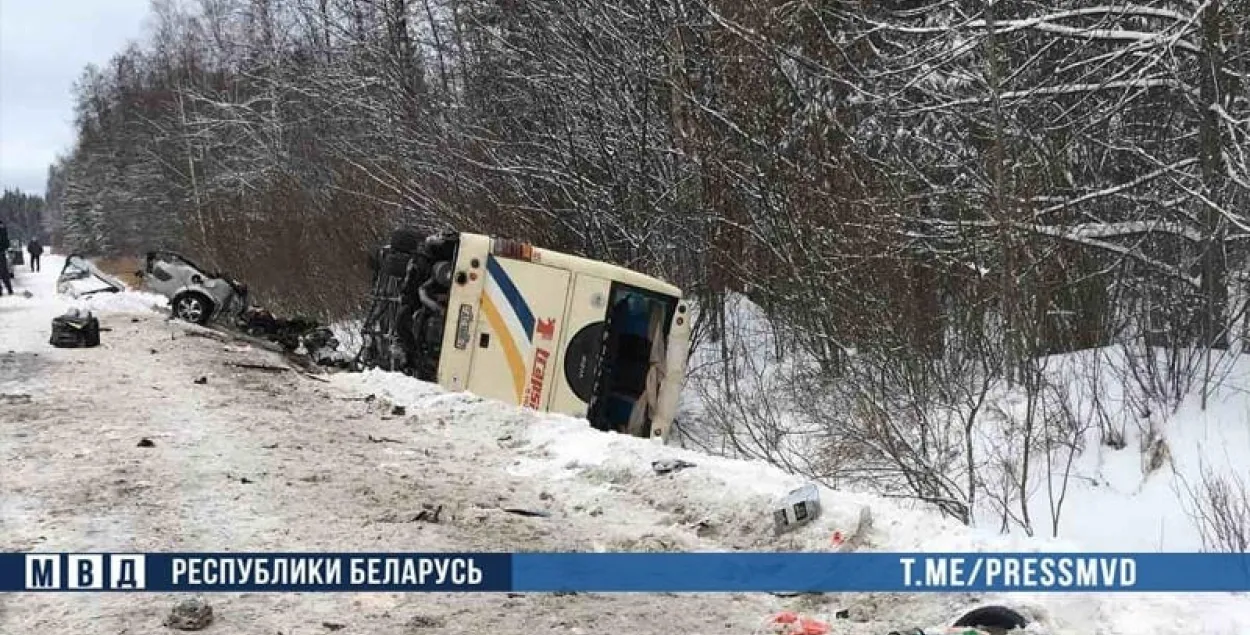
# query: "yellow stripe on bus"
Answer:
x=510 y=352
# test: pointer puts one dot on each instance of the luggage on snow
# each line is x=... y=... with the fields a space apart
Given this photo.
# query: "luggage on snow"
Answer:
x=75 y=330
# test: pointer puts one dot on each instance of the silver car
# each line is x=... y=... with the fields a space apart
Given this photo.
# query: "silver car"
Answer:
x=195 y=295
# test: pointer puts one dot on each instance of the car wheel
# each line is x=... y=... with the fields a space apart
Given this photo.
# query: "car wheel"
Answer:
x=995 y=619
x=192 y=307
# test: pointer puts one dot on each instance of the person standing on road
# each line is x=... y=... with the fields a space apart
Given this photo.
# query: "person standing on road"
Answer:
x=5 y=274
x=35 y=250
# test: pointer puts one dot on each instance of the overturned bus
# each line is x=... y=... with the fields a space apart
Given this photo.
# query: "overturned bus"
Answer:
x=531 y=327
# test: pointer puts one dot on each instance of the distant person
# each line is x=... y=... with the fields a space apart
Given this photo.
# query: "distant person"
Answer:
x=35 y=250
x=5 y=274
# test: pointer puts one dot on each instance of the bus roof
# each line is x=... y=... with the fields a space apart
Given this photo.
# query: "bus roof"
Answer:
x=598 y=268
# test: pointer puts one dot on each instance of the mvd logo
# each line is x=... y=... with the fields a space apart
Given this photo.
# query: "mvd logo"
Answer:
x=85 y=572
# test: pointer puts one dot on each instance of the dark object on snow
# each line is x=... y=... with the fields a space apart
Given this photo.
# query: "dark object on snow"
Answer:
x=146 y=443
x=399 y=411
x=429 y=621
x=318 y=341
x=667 y=466
x=428 y=515
x=333 y=626
x=265 y=367
x=527 y=512
x=287 y=332
x=997 y=620
x=75 y=330
x=202 y=381
x=190 y=615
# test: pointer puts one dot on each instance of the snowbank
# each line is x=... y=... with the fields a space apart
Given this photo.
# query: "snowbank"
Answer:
x=732 y=500
x=1137 y=496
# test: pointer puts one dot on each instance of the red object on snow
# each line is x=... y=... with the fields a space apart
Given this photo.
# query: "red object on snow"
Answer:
x=812 y=627
x=785 y=617
x=794 y=624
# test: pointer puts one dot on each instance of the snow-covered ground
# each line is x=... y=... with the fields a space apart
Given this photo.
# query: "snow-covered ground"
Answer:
x=253 y=461
x=1115 y=500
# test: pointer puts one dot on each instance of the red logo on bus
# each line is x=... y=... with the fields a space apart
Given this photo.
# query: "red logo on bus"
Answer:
x=546 y=328
x=533 y=398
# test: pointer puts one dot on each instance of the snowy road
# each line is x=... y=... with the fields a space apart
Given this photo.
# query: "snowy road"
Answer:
x=253 y=460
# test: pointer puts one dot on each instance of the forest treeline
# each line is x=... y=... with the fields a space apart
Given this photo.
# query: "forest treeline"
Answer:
x=917 y=194
x=22 y=213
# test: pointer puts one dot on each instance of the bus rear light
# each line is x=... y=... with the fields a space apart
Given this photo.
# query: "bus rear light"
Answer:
x=514 y=249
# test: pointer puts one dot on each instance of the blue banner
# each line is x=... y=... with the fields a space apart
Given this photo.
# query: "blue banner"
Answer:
x=625 y=572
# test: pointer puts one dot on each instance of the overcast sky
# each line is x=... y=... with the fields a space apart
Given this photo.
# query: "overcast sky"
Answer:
x=44 y=45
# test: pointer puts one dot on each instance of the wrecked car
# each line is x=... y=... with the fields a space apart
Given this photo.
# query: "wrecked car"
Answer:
x=195 y=295
x=529 y=326
x=317 y=340
x=80 y=277
x=198 y=296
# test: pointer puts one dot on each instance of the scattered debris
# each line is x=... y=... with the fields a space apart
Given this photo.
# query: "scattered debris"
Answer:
x=146 y=443
x=291 y=334
x=798 y=508
x=668 y=466
x=790 y=623
x=702 y=528
x=534 y=513
x=266 y=367
x=333 y=626
x=190 y=615
x=202 y=380
x=428 y=621
x=857 y=537
x=383 y=439
x=428 y=515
